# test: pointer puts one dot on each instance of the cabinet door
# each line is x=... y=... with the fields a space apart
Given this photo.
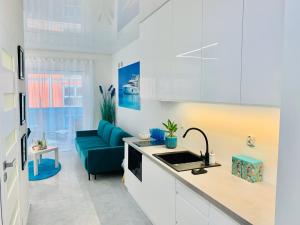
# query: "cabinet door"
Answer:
x=148 y=55
x=262 y=52
x=193 y=199
x=218 y=217
x=221 y=50
x=156 y=47
x=187 y=214
x=159 y=194
x=187 y=42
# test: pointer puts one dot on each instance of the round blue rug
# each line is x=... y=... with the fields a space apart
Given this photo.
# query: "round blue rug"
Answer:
x=46 y=169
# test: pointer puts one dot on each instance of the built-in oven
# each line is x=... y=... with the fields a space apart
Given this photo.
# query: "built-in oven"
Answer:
x=135 y=161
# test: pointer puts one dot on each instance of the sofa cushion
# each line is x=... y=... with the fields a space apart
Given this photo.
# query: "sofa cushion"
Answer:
x=85 y=151
x=101 y=127
x=89 y=139
x=116 y=137
x=107 y=132
x=90 y=142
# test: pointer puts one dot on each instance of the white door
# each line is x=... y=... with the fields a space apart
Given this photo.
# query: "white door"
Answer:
x=9 y=145
x=11 y=34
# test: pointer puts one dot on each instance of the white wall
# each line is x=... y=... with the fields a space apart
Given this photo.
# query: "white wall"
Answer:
x=102 y=71
x=288 y=183
x=227 y=126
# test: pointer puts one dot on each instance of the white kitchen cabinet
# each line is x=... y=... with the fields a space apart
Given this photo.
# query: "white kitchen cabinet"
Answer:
x=192 y=198
x=262 y=52
x=133 y=184
x=192 y=209
x=221 y=50
x=167 y=201
x=148 y=55
x=187 y=214
x=156 y=47
x=205 y=54
x=217 y=217
x=214 y=51
x=155 y=194
x=159 y=194
x=183 y=83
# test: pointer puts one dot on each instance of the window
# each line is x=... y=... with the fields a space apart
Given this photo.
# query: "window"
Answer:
x=55 y=106
x=54 y=90
x=72 y=9
x=72 y=96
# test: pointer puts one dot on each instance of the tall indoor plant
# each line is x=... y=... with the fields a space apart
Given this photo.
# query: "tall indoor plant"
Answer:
x=108 y=104
x=171 y=139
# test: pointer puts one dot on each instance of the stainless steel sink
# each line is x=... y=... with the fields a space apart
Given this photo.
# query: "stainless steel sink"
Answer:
x=181 y=161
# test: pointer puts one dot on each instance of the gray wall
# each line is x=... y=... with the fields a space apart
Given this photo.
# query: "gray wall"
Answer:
x=288 y=180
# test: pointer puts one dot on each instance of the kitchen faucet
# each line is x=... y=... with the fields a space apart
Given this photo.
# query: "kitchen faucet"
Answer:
x=206 y=156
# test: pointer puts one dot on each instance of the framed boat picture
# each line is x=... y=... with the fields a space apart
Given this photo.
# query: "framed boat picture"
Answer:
x=129 y=86
x=22 y=102
x=24 y=150
x=21 y=63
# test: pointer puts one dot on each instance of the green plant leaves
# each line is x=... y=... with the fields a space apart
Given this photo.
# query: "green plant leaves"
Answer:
x=108 y=107
x=171 y=127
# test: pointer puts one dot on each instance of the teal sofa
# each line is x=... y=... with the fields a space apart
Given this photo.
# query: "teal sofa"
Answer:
x=101 y=150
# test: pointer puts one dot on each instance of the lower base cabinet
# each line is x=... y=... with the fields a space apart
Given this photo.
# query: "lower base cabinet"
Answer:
x=192 y=209
x=155 y=194
x=159 y=194
x=218 y=217
x=167 y=201
x=188 y=215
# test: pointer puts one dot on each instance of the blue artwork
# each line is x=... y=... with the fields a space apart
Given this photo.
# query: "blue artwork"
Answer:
x=129 y=86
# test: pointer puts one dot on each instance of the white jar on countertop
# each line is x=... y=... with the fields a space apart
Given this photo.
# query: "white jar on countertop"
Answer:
x=212 y=158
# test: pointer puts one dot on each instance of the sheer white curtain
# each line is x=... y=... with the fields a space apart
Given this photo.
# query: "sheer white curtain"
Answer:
x=60 y=98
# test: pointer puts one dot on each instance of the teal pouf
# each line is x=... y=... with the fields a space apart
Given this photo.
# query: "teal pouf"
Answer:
x=46 y=169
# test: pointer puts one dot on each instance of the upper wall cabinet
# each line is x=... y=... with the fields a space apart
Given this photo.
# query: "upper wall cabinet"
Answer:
x=262 y=52
x=221 y=50
x=183 y=83
x=214 y=51
x=156 y=47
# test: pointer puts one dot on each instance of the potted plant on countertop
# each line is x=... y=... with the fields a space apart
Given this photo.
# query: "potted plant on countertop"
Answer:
x=171 y=139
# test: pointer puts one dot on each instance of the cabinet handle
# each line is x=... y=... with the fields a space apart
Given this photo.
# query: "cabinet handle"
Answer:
x=8 y=165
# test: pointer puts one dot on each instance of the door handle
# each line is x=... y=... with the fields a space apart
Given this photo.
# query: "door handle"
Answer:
x=8 y=165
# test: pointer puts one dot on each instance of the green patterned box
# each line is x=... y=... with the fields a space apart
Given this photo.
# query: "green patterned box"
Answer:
x=251 y=169
x=236 y=166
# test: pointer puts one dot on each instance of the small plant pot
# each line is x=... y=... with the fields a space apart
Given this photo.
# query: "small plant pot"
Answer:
x=171 y=142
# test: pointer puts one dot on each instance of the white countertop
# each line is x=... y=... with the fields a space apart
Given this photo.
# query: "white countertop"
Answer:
x=253 y=202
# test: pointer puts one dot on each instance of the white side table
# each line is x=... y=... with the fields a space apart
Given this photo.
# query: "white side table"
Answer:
x=37 y=156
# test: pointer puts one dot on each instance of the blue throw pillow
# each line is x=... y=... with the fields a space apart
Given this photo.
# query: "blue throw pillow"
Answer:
x=107 y=132
x=116 y=137
x=101 y=127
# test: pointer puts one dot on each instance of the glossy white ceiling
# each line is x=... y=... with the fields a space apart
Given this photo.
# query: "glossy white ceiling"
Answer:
x=93 y=26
